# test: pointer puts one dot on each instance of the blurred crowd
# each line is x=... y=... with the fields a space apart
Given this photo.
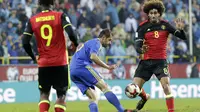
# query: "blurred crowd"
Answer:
x=89 y=17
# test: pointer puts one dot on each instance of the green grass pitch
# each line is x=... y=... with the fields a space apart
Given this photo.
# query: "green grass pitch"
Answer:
x=181 y=105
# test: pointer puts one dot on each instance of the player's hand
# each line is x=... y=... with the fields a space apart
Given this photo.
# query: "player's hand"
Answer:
x=36 y=59
x=111 y=67
x=145 y=48
x=179 y=23
x=72 y=47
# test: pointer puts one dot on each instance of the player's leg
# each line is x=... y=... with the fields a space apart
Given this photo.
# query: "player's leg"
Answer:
x=169 y=97
x=142 y=74
x=61 y=83
x=111 y=97
x=162 y=73
x=44 y=87
x=85 y=81
x=93 y=101
x=96 y=79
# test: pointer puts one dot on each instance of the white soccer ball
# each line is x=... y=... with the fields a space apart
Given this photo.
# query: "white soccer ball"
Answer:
x=132 y=90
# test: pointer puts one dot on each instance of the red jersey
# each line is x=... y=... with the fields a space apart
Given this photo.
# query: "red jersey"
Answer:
x=155 y=36
x=49 y=33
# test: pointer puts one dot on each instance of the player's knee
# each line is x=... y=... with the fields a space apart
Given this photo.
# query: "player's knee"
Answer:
x=44 y=95
x=166 y=88
x=61 y=95
x=105 y=88
x=94 y=99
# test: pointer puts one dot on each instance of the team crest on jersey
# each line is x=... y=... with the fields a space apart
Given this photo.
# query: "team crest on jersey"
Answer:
x=163 y=27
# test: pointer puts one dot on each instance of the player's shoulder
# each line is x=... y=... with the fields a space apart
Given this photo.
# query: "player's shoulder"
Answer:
x=164 y=21
x=93 y=41
x=144 y=23
x=56 y=12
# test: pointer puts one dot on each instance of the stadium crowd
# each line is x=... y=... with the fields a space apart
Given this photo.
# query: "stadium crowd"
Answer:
x=89 y=17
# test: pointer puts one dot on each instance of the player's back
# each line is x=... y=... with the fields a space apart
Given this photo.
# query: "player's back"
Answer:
x=82 y=56
x=50 y=38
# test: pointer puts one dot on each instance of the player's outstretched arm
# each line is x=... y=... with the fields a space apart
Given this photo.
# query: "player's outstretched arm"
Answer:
x=68 y=28
x=26 y=38
x=99 y=62
x=178 y=31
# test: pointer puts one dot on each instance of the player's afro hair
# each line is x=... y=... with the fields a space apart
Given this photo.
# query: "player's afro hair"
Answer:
x=154 y=4
x=105 y=32
x=46 y=2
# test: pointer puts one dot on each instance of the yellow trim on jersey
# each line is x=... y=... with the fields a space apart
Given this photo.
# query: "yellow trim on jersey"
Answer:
x=93 y=73
x=26 y=33
x=43 y=101
x=67 y=25
x=45 y=11
x=60 y=106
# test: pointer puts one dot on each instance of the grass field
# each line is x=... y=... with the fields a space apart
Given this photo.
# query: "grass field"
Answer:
x=182 y=105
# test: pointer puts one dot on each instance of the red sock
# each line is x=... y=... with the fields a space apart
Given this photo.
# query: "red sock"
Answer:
x=60 y=108
x=170 y=103
x=143 y=94
x=44 y=106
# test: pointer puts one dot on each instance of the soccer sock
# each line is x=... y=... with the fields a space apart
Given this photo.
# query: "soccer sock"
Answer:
x=170 y=102
x=143 y=94
x=93 y=107
x=59 y=108
x=111 y=97
x=44 y=105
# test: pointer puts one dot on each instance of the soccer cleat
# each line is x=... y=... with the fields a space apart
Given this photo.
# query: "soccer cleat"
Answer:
x=141 y=103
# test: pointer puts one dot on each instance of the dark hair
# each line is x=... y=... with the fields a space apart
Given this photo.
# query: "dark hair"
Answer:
x=154 y=4
x=105 y=32
x=46 y=3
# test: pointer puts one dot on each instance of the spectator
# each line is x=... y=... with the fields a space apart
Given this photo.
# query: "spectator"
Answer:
x=112 y=11
x=123 y=12
x=107 y=23
x=117 y=50
x=120 y=72
x=131 y=25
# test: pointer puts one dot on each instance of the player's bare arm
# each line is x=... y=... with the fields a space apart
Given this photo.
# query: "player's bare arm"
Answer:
x=26 y=41
x=99 y=62
x=68 y=28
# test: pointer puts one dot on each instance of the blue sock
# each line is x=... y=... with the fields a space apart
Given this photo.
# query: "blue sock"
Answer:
x=112 y=98
x=93 y=107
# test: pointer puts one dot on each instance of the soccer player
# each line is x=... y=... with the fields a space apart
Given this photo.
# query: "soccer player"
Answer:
x=86 y=77
x=48 y=27
x=151 y=43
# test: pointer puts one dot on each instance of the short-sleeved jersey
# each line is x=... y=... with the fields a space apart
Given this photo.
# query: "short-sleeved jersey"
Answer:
x=155 y=36
x=48 y=28
x=82 y=56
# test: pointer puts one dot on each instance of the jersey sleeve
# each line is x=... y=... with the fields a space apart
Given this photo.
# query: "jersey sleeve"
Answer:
x=28 y=30
x=65 y=21
x=139 y=39
x=170 y=28
x=67 y=26
x=94 y=47
x=178 y=33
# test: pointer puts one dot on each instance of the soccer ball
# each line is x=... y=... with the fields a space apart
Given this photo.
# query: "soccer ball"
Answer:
x=132 y=90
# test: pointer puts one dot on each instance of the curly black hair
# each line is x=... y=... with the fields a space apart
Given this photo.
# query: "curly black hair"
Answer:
x=46 y=2
x=154 y=4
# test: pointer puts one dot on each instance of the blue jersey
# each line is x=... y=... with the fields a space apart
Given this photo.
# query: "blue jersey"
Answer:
x=82 y=56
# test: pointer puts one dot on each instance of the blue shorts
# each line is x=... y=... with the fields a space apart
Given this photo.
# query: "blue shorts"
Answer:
x=85 y=78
